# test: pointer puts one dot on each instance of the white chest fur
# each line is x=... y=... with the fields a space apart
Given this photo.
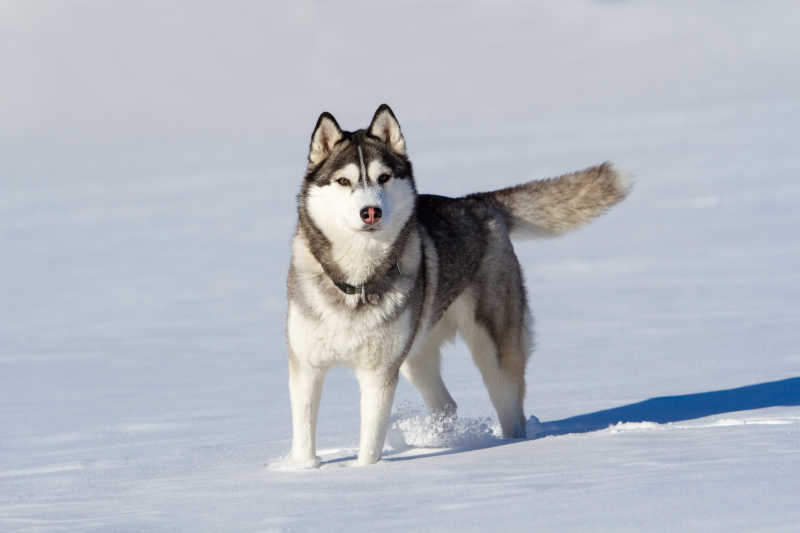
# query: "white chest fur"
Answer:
x=324 y=332
x=361 y=341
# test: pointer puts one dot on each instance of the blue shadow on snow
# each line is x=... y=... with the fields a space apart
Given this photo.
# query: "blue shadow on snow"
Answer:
x=665 y=409
x=662 y=409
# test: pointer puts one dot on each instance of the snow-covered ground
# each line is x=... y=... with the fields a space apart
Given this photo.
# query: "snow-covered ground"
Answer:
x=149 y=158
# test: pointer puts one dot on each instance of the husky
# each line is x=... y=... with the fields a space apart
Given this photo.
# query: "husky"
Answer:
x=380 y=277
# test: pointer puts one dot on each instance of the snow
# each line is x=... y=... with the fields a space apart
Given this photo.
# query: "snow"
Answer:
x=149 y=159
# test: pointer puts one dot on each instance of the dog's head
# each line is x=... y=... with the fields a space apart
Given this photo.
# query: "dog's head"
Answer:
x=359 y=182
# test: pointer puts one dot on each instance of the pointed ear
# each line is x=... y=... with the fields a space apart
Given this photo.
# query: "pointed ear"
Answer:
x=326 y=134
x=385 y=127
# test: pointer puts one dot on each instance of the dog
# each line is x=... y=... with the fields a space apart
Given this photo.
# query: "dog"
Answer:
x=380 y=277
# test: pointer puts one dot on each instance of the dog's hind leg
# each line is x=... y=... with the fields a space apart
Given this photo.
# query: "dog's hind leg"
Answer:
x=501 y=361
x=423 y=369
x=305 y=389
x=377 y=393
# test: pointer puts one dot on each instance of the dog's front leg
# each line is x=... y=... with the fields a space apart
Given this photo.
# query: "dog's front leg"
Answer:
x=377 y=393
x=305 y=389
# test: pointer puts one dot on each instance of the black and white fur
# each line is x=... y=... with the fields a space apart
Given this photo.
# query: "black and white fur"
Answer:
x=382 y=296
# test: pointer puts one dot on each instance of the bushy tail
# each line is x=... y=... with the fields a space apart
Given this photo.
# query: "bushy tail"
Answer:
x=554 y=206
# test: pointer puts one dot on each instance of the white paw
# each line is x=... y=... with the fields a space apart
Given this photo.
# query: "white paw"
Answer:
x=368 y=459
x=302 y=463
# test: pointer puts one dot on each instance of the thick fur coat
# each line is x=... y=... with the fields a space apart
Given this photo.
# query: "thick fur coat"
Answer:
x=381 y=276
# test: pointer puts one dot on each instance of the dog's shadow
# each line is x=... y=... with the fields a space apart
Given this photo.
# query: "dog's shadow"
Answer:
x=662 y=410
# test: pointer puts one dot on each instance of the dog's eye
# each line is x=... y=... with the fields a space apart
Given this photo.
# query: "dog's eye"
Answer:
x=344 y=182
x=383 y=178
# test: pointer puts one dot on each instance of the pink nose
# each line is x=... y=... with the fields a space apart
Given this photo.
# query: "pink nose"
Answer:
x=371 y=214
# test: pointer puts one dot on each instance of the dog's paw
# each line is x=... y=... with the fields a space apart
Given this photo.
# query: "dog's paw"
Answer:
x=305 y=463
x=368 y=458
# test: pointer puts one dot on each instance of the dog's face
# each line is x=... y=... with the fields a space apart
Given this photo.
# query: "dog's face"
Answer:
x=359 y=183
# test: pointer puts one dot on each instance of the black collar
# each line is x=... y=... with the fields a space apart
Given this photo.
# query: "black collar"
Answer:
x=349 y=289
x=384 y=281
